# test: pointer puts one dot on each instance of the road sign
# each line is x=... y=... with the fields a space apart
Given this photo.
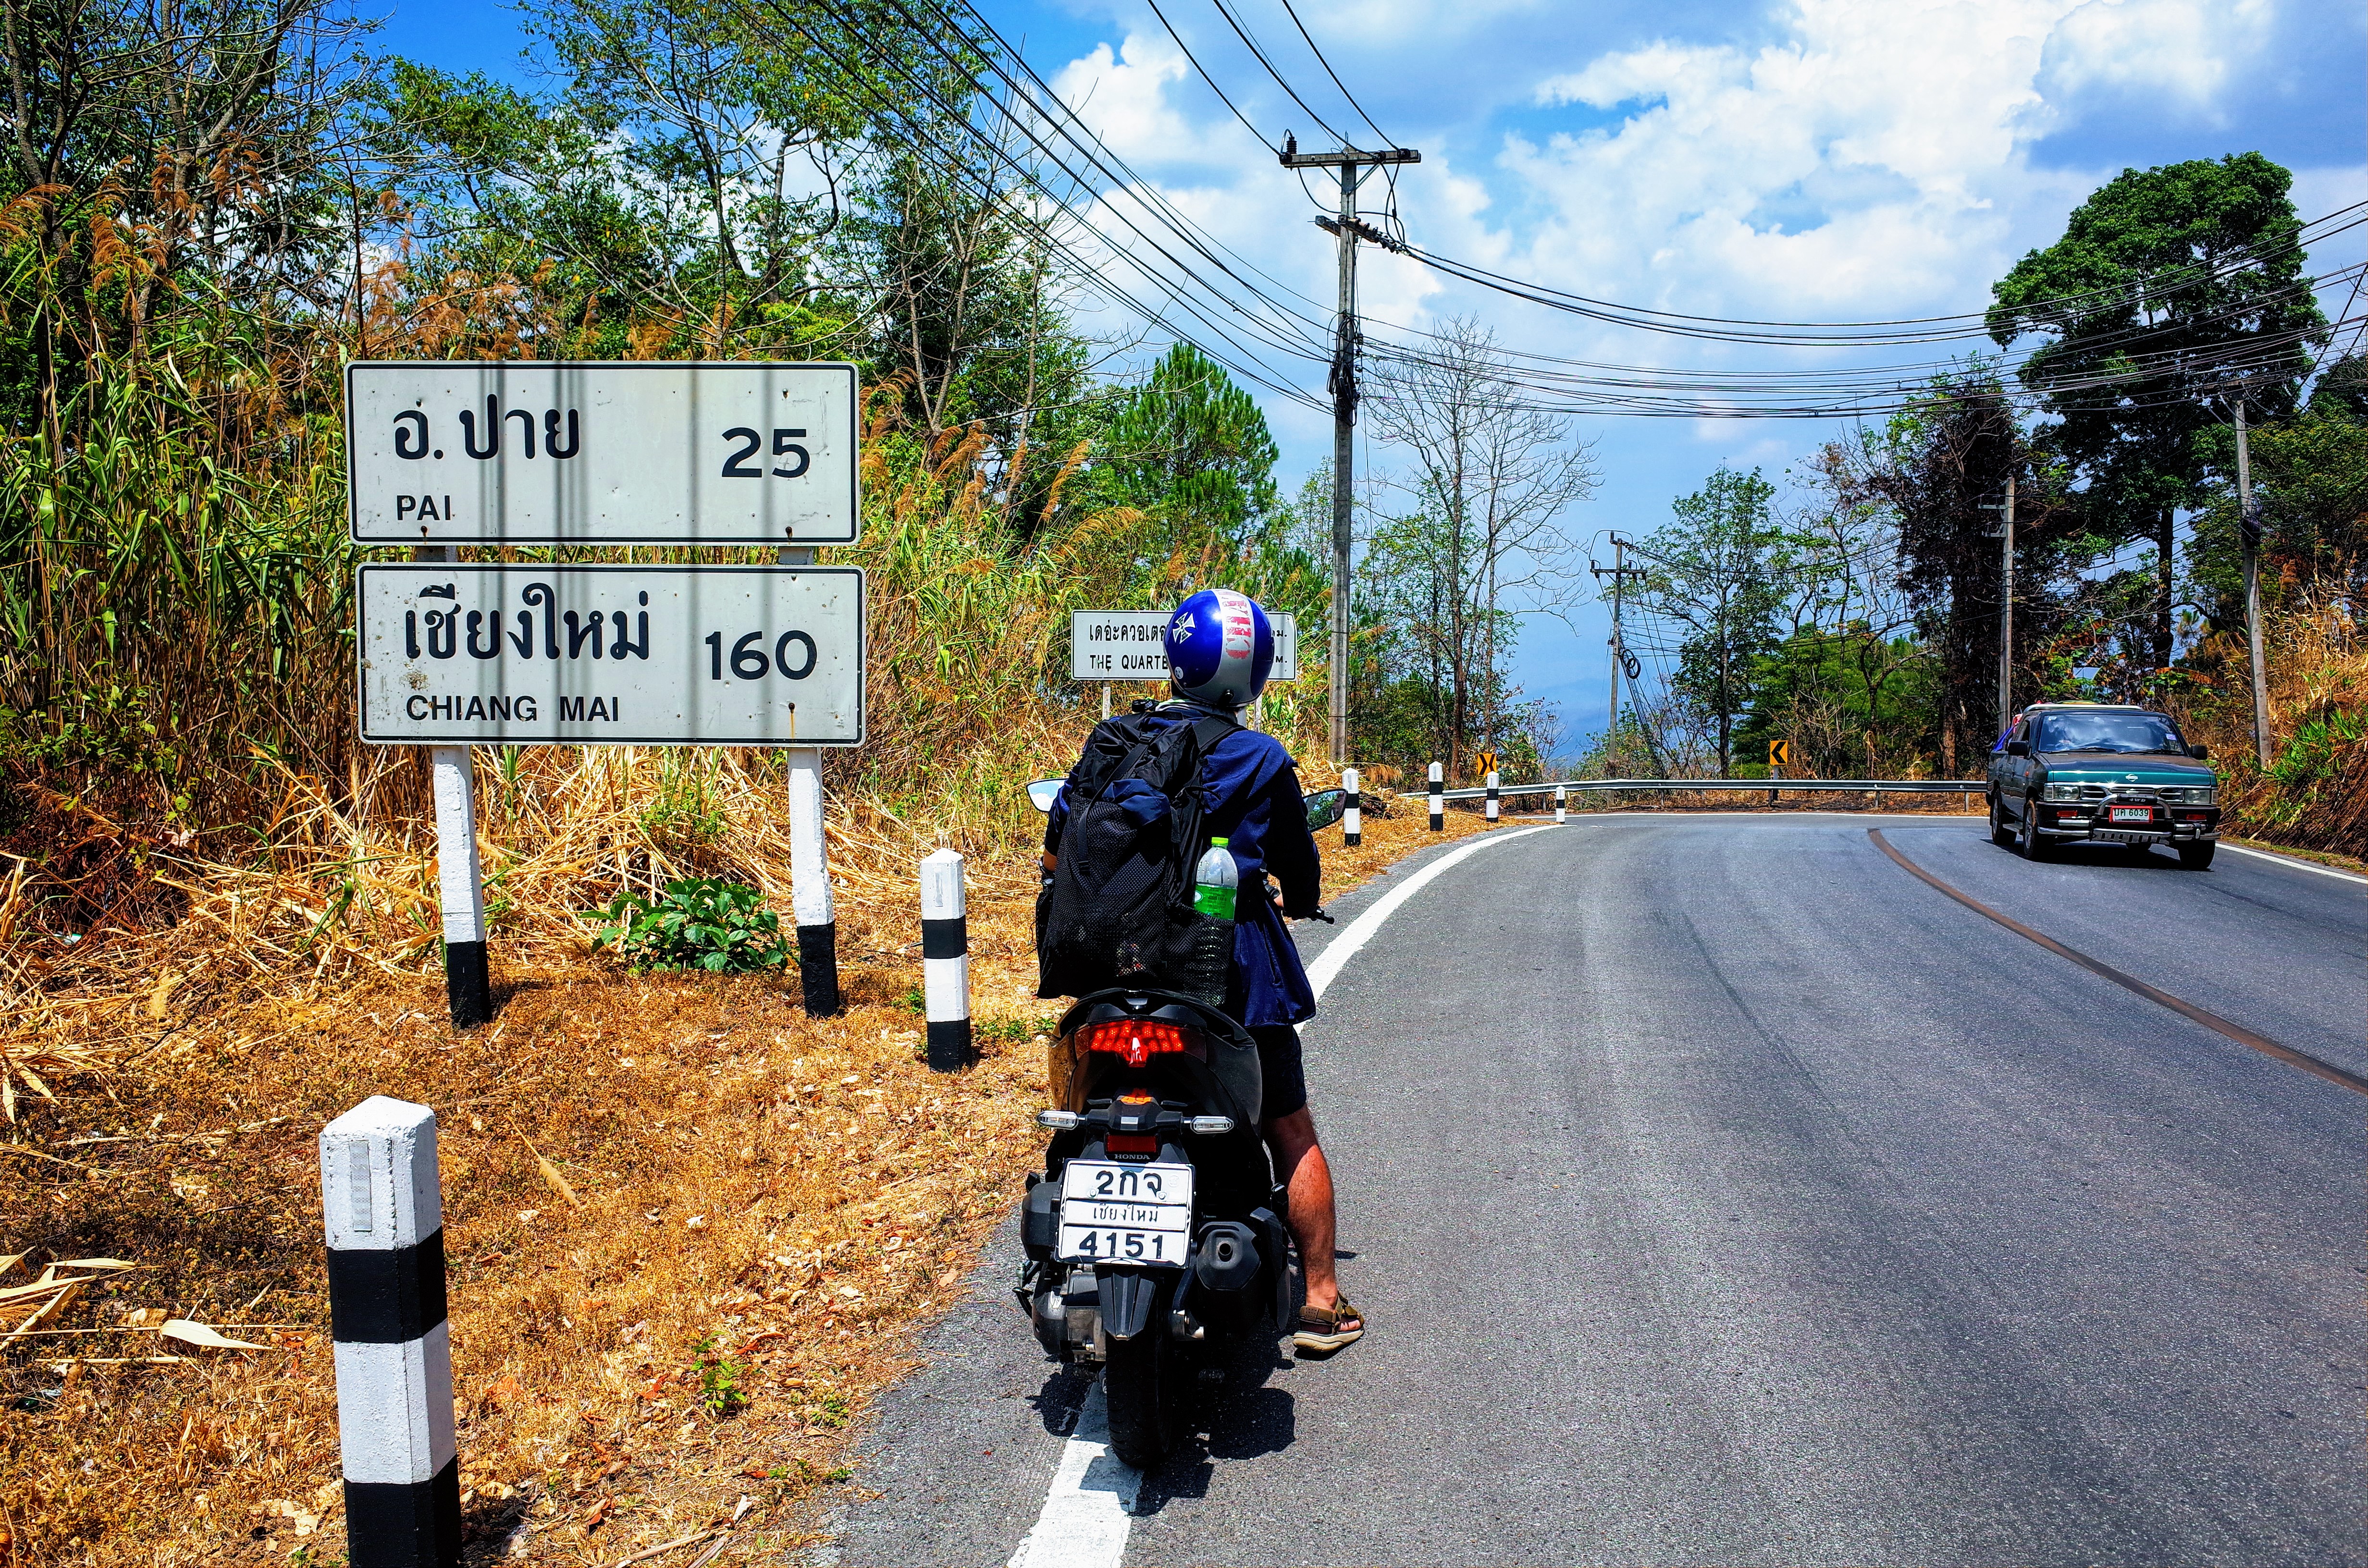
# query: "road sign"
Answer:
x=1124 y=644
x=520 y=452
x=1780 y=754
x=1485 y=764
x=645 y=656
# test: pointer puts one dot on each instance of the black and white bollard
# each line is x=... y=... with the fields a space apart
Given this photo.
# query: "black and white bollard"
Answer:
x=1562 y=801
x=810 y=899
x=1352 y=815
x=384 y=1212
x=945 y=960
x=1438 y=801
x=1493 y=807
x=461 y=884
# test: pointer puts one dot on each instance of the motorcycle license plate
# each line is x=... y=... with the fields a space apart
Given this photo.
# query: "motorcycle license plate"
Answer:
x=2133 y=813
x=1115 y=1213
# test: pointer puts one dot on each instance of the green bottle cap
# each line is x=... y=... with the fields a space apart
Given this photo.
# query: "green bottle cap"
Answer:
x=1219 y=843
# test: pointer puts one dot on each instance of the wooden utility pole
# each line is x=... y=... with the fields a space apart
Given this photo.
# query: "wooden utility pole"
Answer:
x=1353 y=165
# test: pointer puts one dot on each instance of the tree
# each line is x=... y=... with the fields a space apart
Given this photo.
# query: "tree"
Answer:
x=2167 y=285
x=1490 y=481
x=1719 y=571
x=1191 y=447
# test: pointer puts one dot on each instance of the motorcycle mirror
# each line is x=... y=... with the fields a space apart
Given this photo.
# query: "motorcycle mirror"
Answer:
x=1324 y=808
x=1042 y=792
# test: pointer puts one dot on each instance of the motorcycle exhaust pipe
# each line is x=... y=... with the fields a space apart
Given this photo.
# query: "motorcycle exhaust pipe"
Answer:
x=1228 y=1259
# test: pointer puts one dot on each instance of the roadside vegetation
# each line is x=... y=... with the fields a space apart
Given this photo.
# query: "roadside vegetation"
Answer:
x=693 y=1231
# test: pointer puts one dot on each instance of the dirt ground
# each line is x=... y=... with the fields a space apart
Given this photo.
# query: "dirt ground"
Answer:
x=691 y=1234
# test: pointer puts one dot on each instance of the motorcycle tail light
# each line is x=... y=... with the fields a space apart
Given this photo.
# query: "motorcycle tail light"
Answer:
x=1139 y=1040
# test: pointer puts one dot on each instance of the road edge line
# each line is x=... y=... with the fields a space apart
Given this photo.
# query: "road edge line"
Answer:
x=2185 y=1009
x=2294 y=862
x=1336 y=953
x=1082 y=1527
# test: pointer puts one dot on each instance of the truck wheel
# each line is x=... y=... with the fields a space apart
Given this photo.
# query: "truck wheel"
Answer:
x=2001 y=834
x=1149 y=1384
x=2035 y=846
x=2196 y=856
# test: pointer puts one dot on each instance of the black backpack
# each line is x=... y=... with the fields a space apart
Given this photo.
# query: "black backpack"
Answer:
x=1118 y=910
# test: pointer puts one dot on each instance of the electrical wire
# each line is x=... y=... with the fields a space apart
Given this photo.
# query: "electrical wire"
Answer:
x=1259 y=55
x=1194 y=62
x=1293 y=13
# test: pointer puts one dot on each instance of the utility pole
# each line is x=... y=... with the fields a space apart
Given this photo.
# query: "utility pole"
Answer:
x=1353 y=165
x=2248 y=524
x=2006 y=603
x=1620 y=573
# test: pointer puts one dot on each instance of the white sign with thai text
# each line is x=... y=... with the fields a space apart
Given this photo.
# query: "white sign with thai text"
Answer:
x=640 y=655
x=546 y=452
x=1125 y=644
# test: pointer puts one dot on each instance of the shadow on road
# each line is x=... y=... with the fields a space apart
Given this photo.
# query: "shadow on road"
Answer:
x=1241 y=1418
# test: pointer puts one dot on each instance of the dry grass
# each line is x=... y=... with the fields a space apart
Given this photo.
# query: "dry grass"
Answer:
x=634 y=1166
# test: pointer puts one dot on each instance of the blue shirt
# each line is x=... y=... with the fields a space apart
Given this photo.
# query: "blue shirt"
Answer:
x=1251 y=798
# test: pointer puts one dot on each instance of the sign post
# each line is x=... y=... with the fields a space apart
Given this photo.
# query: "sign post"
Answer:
x=1780 y=756
x=445 y=454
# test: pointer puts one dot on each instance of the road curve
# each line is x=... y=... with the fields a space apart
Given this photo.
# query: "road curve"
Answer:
x=1722 y=1193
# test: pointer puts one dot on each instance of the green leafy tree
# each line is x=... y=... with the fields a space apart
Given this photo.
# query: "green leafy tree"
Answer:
x=2168 y=284
x=1719 y=571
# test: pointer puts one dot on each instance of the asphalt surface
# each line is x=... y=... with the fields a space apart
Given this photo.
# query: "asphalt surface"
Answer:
x=1720 y=1193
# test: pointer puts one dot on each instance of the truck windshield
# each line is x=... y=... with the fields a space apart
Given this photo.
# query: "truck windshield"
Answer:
x=2108 y=732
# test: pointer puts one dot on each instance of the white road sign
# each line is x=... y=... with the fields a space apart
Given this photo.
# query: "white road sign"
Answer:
x=452 y=452
x=642 y=655
x=1124 y=644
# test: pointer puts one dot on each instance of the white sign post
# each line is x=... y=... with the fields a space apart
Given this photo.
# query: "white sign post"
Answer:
x=452 y=453
x=444 y=454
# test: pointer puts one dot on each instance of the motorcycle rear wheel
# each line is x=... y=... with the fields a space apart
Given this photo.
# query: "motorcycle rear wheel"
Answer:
x=1149 y=1384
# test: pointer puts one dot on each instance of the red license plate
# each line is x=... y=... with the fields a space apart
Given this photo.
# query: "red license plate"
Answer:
x=2133 y=813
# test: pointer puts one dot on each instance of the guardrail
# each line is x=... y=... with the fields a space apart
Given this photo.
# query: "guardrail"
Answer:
x=1734 y=786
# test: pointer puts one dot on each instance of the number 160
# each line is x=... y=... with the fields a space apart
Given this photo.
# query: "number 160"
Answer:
x=750 y=662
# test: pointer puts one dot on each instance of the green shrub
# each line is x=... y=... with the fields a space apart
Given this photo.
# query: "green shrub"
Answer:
x=698 y=923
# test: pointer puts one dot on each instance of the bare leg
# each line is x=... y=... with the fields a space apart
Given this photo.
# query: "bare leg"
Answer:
x=1307 y=1180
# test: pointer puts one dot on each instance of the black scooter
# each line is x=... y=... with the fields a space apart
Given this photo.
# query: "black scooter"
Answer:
x=1154 y=1234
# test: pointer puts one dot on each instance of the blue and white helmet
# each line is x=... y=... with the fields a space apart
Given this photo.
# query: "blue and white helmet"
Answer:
x=1220 y=648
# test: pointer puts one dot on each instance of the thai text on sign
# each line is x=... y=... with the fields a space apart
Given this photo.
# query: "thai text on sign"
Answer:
x=645 y=655
x=1127 y=644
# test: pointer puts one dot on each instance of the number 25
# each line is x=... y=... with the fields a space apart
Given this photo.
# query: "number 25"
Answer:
x=784 y=445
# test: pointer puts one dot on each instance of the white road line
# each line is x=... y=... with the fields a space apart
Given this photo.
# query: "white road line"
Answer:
x=1089 y=1508
x=1360 y=931
x=2290 y=862
x=1085 y=1521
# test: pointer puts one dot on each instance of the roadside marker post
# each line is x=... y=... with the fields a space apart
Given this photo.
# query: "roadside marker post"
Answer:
x=461 y=884
x=1352 y=815
x=1438 y=801
x=945 y=962
x=382 y=1209
x=1493 y=806
x=1561 y=802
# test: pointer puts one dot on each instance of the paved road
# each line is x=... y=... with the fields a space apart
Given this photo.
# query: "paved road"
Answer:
x=1723 y=1194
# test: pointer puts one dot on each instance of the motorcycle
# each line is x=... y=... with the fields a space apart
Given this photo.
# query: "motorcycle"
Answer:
x=1154 y=1235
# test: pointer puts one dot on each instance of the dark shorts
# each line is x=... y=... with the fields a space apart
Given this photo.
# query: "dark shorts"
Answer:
x=1285 y=1076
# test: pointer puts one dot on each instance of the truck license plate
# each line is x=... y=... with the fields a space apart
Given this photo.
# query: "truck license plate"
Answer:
x=1115 y=1213
x=2133 y=813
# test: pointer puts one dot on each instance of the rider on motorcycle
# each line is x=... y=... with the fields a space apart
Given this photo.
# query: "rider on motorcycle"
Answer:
x=1254 y=802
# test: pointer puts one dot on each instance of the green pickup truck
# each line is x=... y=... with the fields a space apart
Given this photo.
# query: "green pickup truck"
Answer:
x=2090 y=773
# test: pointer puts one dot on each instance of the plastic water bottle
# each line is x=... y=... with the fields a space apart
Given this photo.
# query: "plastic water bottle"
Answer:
x=1215 y=882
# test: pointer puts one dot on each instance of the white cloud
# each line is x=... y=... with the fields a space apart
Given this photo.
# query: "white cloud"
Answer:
x=2188 y=48
x=1124 y=96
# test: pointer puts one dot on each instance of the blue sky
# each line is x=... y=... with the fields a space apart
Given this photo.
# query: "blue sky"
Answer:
x=1825 y=160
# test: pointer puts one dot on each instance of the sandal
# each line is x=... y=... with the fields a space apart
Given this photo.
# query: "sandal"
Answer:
x=1320 y=1327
